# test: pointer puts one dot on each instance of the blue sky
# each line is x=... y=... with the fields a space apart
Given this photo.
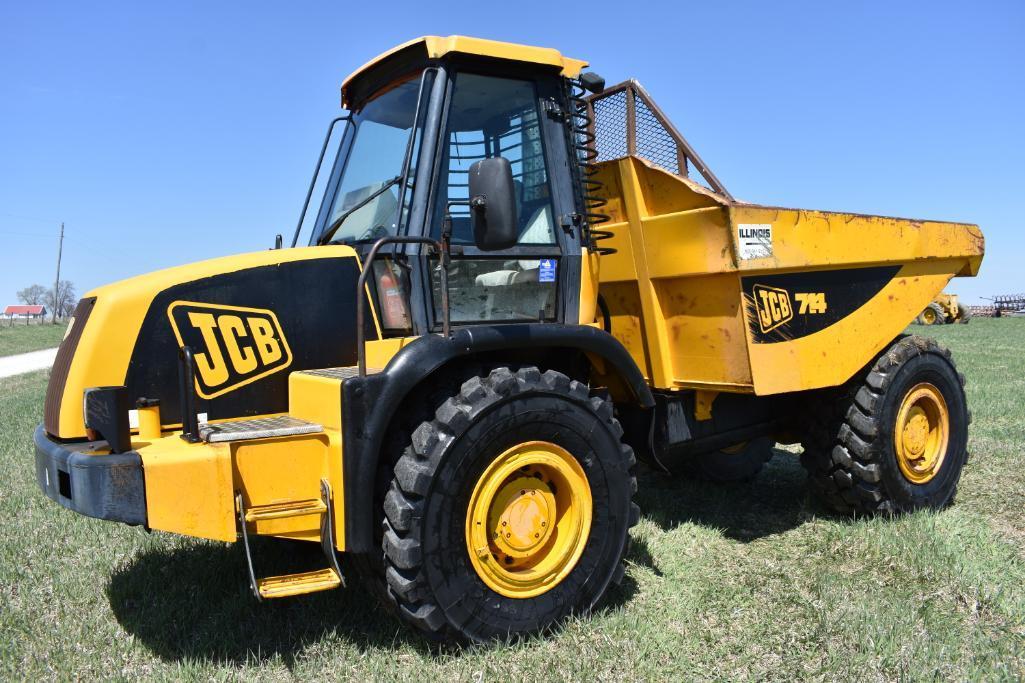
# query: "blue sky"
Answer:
x=162 y=133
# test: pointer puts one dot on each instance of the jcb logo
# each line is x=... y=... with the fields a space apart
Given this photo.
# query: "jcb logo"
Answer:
x=233 y=346
x=773 y=307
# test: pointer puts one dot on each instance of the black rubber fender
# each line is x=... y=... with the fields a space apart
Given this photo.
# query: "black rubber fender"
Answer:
x=369 y=403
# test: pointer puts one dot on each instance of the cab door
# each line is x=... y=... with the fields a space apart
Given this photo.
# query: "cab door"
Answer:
x=489 y=116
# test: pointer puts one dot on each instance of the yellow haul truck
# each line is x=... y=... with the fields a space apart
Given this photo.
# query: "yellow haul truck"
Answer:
x=517 y=280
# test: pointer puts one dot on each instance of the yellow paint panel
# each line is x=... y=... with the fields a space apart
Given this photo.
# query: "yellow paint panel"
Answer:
x=705 y=324
x=282 y=470
x=189 y=487
x=816 y=239
x=381 y=351
x=589 y=273
x=315 y=399
x=664 y=192
x=643 y=250
x=437 y=47
x=618 y=266
x=688 y=243
x=625 y=310
x=319 y=400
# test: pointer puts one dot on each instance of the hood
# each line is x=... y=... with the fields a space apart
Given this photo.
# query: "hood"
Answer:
x=250 y=319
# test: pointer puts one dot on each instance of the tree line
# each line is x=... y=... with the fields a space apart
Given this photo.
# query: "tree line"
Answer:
x=61 y=303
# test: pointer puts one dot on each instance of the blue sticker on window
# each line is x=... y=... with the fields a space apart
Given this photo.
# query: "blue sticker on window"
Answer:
x=546 y=271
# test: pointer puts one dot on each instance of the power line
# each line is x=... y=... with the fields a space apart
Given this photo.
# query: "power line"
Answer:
x=28 y=218
x=22 y=234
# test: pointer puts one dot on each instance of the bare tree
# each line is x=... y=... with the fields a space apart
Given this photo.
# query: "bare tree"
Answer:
x=64 y=303
x=33 y=295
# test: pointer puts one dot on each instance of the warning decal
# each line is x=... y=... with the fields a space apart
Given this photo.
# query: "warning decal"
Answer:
x=754 y=240
x=546 y=270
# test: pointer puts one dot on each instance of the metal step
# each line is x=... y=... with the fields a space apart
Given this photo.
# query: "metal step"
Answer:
x=259 y=428
x=298 y=584
x=338 y=373
x=302 y=582
x=292 y=508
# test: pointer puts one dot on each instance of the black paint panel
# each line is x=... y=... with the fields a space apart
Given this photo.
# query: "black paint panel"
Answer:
x=314 y=303
x=773 y=306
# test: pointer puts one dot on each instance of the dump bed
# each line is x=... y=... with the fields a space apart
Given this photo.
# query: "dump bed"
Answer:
x=708 y=292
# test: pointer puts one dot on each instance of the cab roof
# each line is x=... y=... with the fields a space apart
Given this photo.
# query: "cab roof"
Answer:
x=436 y=47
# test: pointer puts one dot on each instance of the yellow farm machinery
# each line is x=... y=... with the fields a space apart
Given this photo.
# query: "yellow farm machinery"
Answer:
x=518 y=282
x=943 y=310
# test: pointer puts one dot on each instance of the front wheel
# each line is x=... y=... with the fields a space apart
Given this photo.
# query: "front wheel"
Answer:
x=510 y=509
x=895 y=438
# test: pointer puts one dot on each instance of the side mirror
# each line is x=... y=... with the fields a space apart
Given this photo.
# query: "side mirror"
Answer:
x=493 y=204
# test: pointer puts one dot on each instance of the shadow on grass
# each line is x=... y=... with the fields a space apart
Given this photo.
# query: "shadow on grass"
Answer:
x=773 y=502
x=192 y=602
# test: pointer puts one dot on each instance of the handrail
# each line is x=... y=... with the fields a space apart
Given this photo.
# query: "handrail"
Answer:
x=316 y=174
x=187 y=396
x=362 y=294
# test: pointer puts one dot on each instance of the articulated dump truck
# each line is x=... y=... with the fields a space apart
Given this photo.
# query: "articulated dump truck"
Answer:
x=518 y=283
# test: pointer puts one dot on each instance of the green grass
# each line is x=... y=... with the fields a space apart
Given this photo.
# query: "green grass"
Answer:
x=21 y=338
x=743 y=581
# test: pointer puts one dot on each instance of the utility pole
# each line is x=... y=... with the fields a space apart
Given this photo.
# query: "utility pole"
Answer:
x=57 y=282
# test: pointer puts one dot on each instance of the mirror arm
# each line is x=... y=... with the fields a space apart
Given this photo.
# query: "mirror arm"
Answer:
x=446 y=229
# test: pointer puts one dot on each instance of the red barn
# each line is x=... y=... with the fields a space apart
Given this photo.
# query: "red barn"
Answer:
x=25 y=311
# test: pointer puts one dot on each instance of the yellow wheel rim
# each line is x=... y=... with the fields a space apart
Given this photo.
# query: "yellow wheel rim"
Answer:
x=528 y=519
x=929 y=316
x=922 y=432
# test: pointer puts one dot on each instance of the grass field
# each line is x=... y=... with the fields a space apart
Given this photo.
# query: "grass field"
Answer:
x=21 y=338
x=743 y=581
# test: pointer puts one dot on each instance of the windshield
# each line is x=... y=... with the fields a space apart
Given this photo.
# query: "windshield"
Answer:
x=367 y=196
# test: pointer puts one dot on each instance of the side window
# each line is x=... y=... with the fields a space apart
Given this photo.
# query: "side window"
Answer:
x=490 y=117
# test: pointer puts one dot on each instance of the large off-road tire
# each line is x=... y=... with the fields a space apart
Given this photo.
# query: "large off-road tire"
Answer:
x=932 y=315
x=527 y=455
x=894 y=439
x=965 y=316
x=370 y=567
x=741 y=462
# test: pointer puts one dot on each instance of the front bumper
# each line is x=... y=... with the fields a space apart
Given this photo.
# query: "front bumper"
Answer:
x=102 y=486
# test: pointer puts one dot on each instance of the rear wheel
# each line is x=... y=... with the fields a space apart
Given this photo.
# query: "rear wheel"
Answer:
x=895 y=438
x=932 y=315
x=966 y=316
x=510 y=509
